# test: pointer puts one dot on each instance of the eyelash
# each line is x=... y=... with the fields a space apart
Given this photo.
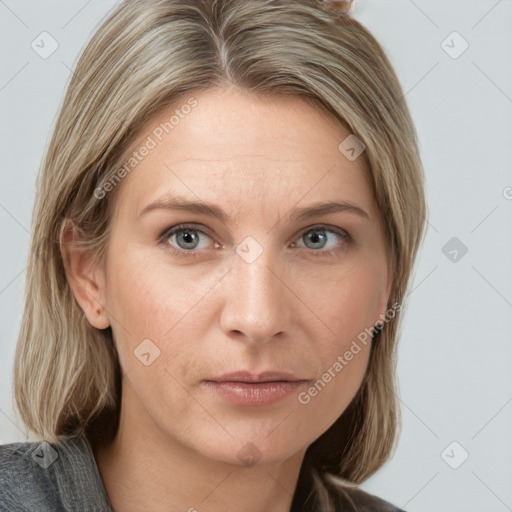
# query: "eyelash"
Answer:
x=167 y=233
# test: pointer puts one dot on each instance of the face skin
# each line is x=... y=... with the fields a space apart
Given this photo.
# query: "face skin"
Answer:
x=295 y=308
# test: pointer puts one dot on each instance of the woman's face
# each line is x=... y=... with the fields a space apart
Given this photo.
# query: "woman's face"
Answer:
x=231 y=292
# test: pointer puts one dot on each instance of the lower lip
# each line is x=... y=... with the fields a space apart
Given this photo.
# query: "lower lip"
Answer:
x=257 y=393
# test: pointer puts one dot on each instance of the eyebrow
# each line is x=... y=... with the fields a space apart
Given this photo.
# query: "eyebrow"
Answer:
x=301 y=214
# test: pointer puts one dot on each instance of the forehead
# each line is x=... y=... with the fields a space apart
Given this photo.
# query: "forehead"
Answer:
x=244 y=150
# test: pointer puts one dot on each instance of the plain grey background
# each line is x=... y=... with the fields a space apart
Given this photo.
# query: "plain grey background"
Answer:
x=453 y=60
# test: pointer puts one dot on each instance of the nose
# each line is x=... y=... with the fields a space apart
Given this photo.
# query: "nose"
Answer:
x=257 y=301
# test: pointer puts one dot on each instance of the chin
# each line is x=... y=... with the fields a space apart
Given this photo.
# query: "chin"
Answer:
x=249 y=449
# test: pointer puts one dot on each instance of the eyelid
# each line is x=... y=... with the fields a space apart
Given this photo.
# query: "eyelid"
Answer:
x=341 y=233
x=167 y=233
x=325 y=227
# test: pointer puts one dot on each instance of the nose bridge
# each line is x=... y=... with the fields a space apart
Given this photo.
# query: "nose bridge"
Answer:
x=255 y=301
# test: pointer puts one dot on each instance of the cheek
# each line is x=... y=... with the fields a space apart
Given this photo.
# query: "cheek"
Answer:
x=347 y=300
x=148 y=299
x=327 y=398
x=148 y=293
x=349 y=306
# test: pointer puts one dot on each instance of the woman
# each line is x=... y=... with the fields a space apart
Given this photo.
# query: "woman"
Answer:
x=225 y=225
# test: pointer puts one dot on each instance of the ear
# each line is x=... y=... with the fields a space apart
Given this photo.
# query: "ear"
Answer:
x=86 y=282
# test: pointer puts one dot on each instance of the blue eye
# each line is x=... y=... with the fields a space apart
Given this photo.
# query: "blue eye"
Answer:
x=318 y=239
x=187 y=237
x=321 y=240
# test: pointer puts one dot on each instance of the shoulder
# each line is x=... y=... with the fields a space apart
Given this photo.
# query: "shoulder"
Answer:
x=348 y=497
x=18 y=473
x=50 y=477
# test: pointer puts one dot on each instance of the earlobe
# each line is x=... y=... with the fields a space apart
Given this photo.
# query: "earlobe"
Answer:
x=86 y=282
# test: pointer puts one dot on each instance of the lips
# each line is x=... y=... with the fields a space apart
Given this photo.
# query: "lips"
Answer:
x=269 y=376
x=252 y=389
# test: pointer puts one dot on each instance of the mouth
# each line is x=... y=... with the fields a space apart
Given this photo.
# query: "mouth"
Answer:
x=246 y=388
x=249 y=377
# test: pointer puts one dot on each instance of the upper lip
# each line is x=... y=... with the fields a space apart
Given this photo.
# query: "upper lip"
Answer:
x=244 y=376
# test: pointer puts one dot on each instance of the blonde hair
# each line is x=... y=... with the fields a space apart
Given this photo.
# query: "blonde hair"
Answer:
x=146 y=56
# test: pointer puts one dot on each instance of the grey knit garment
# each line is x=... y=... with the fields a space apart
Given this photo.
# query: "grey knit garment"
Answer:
x=43 y=477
